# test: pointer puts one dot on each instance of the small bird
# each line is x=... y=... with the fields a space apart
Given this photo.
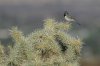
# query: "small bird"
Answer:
x=69 y=18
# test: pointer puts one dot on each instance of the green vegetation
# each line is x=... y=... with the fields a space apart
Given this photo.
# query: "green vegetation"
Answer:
x=50 y=46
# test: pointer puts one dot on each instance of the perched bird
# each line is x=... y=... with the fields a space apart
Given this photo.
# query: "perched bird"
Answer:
x=69 y=18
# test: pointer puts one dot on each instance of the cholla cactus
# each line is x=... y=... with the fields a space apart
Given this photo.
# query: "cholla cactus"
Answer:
x=50 y=46
x=2 y=55
x=55 y=47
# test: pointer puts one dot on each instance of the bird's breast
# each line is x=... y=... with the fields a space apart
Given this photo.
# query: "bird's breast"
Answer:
x=68 y=19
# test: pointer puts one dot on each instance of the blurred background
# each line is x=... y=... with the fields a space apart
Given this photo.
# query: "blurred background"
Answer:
x=28 y=15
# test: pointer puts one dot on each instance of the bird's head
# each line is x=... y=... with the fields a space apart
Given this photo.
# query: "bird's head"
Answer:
x=66 y=13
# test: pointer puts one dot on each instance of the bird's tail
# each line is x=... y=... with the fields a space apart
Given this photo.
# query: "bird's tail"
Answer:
x=78 y=23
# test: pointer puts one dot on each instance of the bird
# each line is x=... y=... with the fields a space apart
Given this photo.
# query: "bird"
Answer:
x=69 y=18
